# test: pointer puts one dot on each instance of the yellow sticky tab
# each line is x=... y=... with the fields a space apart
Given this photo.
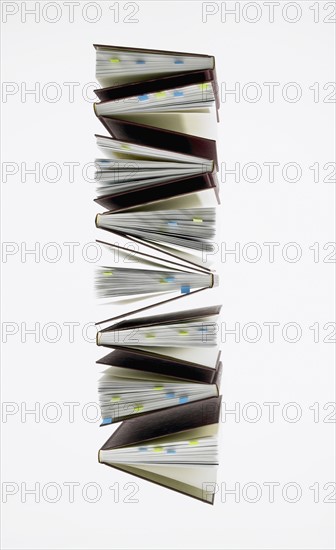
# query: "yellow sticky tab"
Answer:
x=114 y=60
x=197 y=220
x=115 y=398
x=150 y=335
x=107 y=273
x=204 y=86
x=138 y=408
x=158 y=449
x=158 y=388
x=193 y=442
x=160 y=94
x=183 y=332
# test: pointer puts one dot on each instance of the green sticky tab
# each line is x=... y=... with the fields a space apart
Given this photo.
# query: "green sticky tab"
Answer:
x=193 y=442
x=115 y=398
x=150 y=335
x=114 y=60
x=158 y=388
x=204 y=86
x=158 y=449
x=138 y=408
x=197 y=220
x=160 y=94
x=183 y=332
x=107 y=273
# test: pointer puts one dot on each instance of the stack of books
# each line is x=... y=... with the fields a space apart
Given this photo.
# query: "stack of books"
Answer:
x=156 y=178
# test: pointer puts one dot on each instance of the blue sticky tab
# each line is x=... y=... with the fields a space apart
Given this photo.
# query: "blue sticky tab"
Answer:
x=178 y=93
x=140 y=62
x=142 y=449
x=170 y=279
x=185 y=289
x=170 y=395
x=172 y=223
x=179 y=62
x=143 y=97
x=171 y=451
x=183 y=399
x=107 y=420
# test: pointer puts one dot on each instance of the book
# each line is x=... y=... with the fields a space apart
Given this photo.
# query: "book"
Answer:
x=176 y=448
x=133 y=167
x=188 y=228
x=177 y=142
x=163 y=89
x=189 y=335
x=136 y=384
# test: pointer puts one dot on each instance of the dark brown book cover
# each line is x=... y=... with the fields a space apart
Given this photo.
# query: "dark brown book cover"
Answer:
x=141 y=134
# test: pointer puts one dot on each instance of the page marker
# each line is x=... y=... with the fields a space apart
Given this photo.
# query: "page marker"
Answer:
x=150 y=335
x=158 y=449
x=160 y=94
x=193 y=442
x=172 y=223
x=158 y=388
x=140 y=62
x=185 y=289
x=142 y=449
x=170 y=395
x=183 y=399
x=163 y=280
x=143 y=97
x=183 y=332
x=179 y=62
x=115 y=398
x=138 y=408
x=125 y=146
x=171 y=451
x=107 y=420
x=169 y=279
x=204 y=86
x=107 y=273
x=197 y=220
x=114 y=60
x=178 y=93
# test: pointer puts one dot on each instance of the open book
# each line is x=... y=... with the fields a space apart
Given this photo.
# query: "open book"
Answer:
x=176 y=448
x=155 y=87
x=136 y=383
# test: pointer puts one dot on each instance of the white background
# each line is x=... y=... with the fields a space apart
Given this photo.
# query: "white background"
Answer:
x=37 y=450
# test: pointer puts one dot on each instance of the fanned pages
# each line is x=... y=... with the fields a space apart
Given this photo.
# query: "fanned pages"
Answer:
x=176 y=448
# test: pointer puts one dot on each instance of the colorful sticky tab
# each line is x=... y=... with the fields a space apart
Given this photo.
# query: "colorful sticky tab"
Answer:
x=150 y=335
x=107 y=420
x=163 y=281
x=179 y=62
x=169 y=279
x=183 y=332
x=197 y=220
x=160 y=94
x=107 y=273
x=142 y=449
x=170 y=395
x=185 y=289
x=158 y=388
x=203 y=328
x=183 y=399
x=172 y=223
x=140 y=62
x=138 y=408
x=158 y=449
x=125 y=146
x=178 y=93
x=171 y=451
x=204 y=86
x=143 y=97
x=193 y=442
x=114 y=60
x=115 y=398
